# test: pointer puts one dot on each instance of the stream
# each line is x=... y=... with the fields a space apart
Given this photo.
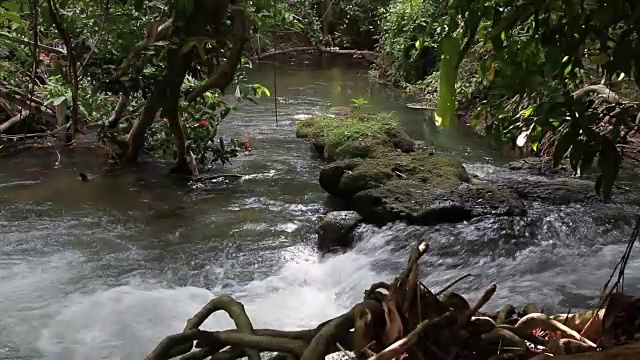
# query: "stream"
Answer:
x=105 y=269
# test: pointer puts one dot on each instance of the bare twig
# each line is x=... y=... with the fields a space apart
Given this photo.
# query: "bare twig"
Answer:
x=453 y=284
x=14 y=120
x=399 y=347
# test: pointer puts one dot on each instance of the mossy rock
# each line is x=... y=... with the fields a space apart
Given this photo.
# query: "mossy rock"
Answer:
x=362 y=149
x=418 y=203
x=355 y=136
x=305 y=127
x=348 y=177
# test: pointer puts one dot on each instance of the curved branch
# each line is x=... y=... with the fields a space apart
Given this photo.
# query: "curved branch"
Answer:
x=331 y=332
x=396 y=349
x=236 y=312
x=166 y=349
x=157 y=30
x=123 y=102
x=600 y=90
x=224 y=75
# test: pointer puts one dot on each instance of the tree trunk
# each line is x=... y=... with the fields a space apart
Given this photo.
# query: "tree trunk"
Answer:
x=151 y=108
x=177 y=65
x=446 y=109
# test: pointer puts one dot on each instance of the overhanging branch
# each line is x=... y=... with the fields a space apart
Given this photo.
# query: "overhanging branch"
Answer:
x=224 y=75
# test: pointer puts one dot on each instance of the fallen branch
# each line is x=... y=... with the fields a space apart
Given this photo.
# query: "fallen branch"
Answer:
x=236 y=313
x=388 y=322
x=166 y=348
x=321 y=49
x=600 y=90
x=14 y=120
x=400 y=346
x=25 y=42
x=34 y=106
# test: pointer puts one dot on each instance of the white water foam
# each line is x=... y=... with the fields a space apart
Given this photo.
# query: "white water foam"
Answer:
x=125 y=322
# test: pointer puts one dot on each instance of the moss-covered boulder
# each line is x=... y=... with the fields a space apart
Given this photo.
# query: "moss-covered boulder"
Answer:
x=355 y=136
x=417 y=188
x=348 y=177
x=418 y=203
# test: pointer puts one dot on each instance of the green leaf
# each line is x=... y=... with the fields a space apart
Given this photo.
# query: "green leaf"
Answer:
x=527 y=112
x=600 y=59
x=222 y=145
x=58 y=100
x=567 y=70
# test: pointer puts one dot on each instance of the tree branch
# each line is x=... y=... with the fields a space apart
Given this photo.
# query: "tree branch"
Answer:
x=224 y=75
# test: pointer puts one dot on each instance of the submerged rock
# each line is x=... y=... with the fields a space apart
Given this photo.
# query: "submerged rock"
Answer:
x=335 y=229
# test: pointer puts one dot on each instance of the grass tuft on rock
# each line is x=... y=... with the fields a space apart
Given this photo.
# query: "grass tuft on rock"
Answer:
x=355 y=136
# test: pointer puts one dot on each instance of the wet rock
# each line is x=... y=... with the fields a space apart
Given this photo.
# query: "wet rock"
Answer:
x=556 y=192
x=421 y=204
x=403 y=142
x=418 y=188
x=336 y=228
x=540 y=166
x=362 y=149
x=349 y=177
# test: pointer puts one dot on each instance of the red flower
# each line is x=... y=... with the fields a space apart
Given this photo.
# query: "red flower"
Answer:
x=204 y=122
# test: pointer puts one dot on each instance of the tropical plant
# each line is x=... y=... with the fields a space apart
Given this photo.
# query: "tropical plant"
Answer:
x=125 y=64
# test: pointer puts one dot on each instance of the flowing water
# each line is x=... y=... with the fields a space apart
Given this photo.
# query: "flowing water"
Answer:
x=105 y=269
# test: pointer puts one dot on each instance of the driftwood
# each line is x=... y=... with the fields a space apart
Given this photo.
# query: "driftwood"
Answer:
x=14 y=120
x=320 y=49
x=394 y=320
x=23 y=101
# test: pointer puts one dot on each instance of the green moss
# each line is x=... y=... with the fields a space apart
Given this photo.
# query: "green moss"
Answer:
x=305 y=127
x=434 y=170
x=363 y=149
x=354 y=136
x=346 y=178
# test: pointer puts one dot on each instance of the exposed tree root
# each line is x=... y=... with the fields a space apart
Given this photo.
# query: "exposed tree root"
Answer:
x=394 y=321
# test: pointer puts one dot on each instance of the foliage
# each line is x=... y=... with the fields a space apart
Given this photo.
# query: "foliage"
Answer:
x=405 y=32
x=351 y=24
x=534 y=55
x=122 y=53
x=358 y=104
x=541 y=54
x=337 y=131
